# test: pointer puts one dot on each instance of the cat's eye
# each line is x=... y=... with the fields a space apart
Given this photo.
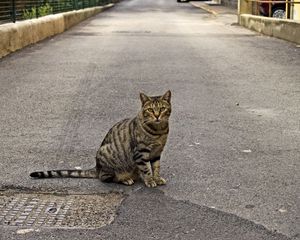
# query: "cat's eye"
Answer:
x=150 y=110
x=163 y=109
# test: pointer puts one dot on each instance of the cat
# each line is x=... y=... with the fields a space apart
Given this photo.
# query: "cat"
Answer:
x=131 y=149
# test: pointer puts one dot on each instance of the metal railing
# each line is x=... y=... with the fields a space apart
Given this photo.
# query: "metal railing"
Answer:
x=274 y=8
x=16 y=10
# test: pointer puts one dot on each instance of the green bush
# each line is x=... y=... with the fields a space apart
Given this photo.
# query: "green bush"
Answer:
x=42 y=11
x=45 y=10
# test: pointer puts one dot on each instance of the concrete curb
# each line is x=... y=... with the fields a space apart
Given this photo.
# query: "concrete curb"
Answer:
x=14 y=36
x=205 y=8
x=280 y=28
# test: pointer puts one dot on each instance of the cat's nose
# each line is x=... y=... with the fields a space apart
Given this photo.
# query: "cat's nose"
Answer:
x=156 y=115
x=157 y=119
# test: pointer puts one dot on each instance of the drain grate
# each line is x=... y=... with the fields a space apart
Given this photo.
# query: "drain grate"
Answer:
x=46 y=210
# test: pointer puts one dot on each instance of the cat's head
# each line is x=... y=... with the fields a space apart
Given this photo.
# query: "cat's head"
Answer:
x=156 y=110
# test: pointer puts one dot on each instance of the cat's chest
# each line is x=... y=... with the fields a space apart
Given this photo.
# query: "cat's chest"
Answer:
x=155 y=145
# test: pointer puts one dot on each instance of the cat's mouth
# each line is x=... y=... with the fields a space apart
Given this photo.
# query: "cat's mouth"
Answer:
x=157 y=125
x=155 y=122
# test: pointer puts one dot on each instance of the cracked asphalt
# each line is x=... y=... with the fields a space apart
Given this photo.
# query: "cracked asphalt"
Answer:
x=232 y=157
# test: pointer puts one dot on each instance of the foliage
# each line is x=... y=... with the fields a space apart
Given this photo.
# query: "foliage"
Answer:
x=42 y=11
x=45 y=10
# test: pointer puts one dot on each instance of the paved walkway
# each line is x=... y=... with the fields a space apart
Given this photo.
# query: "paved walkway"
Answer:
x=214 y=8
x=231 y=160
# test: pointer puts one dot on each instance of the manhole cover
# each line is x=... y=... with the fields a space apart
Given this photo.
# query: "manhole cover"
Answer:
x=45 y=210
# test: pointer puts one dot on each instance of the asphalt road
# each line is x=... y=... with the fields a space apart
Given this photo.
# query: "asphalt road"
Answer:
x=232 y=158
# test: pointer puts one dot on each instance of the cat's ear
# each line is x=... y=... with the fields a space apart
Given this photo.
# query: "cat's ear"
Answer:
x=144 y=98
x=167 y=96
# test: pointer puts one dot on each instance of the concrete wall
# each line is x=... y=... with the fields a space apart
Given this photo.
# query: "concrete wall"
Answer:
x=14 y=36
x=281 y=28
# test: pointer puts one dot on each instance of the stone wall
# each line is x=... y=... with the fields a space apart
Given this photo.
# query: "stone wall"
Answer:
x=281 y=28
x=14 y=36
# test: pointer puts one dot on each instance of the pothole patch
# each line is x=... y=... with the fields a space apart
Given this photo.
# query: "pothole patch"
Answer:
x=56 y=211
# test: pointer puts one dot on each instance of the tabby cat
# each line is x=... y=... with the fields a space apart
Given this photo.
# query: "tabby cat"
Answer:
x=131 y=149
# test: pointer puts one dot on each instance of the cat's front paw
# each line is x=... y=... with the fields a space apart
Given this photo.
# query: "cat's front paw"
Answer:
x=160 y=181
x=150 y=183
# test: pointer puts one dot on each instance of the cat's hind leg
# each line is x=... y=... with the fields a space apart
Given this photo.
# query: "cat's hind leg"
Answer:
x=107 y=177
x=125 y=178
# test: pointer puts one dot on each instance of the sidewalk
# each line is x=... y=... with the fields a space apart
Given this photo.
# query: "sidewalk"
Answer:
x=280 y=28
x=214 y=8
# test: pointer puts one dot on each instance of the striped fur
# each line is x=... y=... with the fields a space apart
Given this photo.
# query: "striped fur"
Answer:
x=131 y=149
x=92 y=173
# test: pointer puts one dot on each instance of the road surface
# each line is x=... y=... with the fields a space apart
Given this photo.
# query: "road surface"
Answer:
x=232 y=157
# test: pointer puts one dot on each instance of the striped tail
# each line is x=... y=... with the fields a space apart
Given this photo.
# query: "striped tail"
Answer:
x=91 y=173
